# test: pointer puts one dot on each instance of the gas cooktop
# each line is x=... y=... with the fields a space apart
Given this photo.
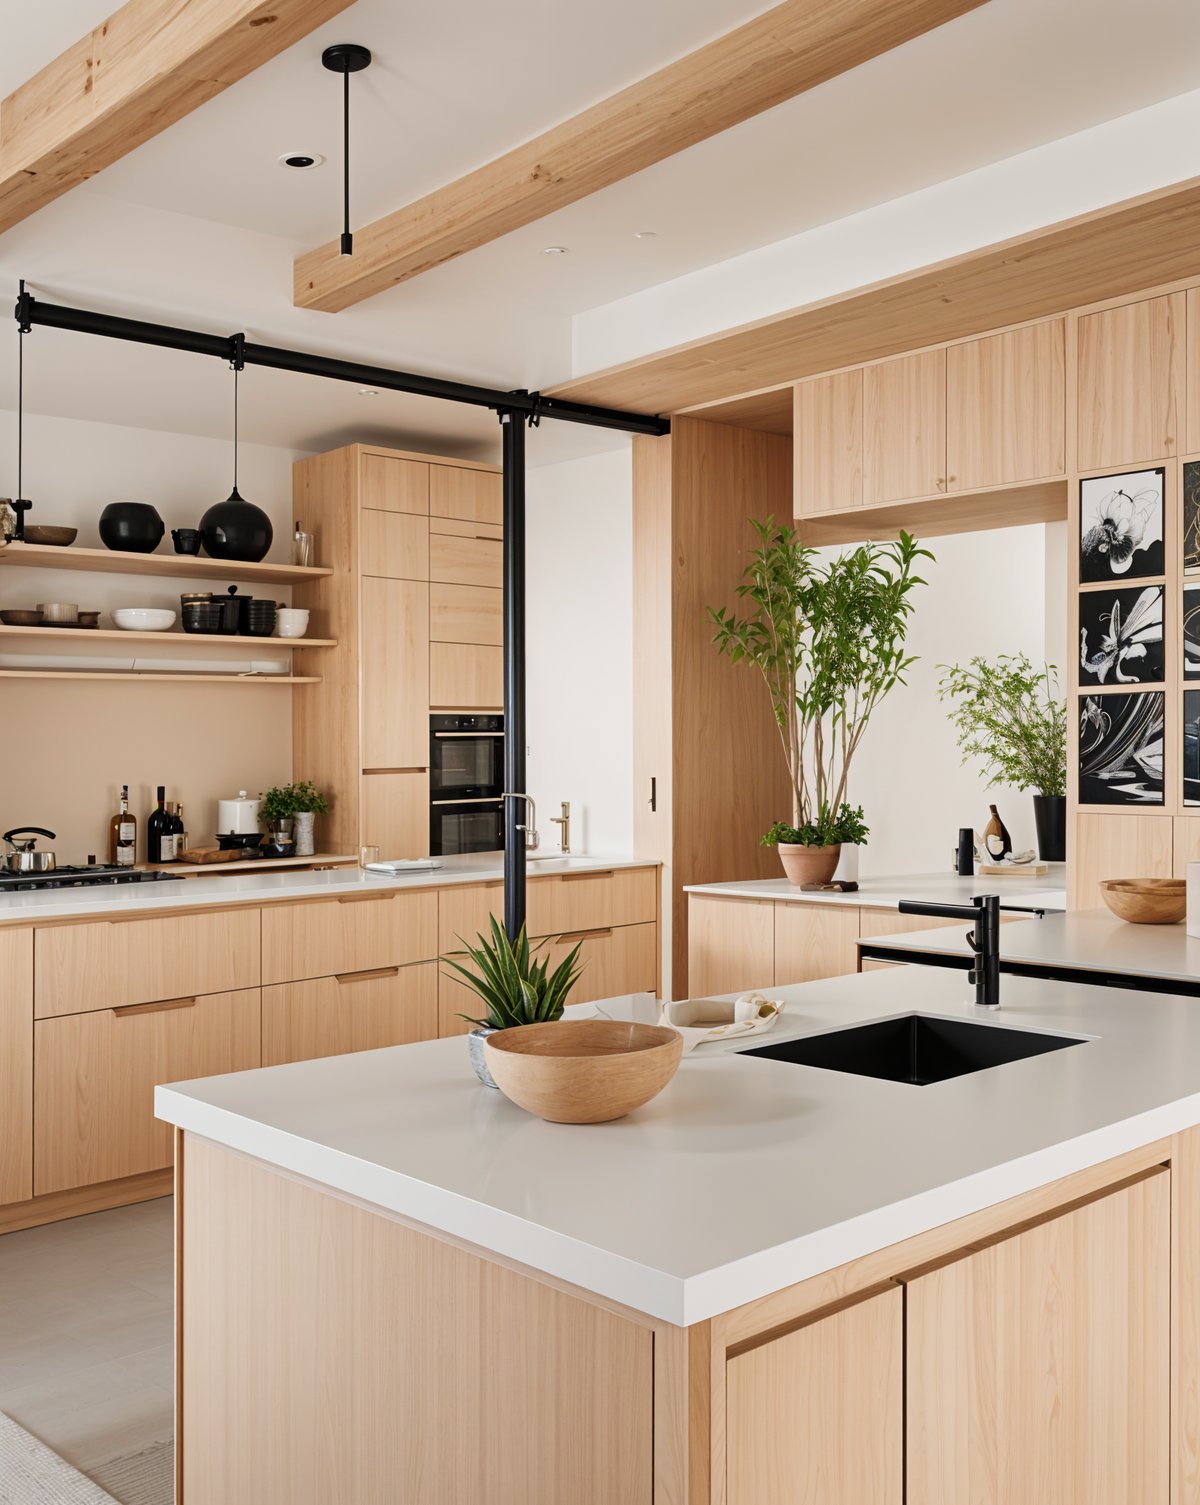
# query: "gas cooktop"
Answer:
x=82 y=877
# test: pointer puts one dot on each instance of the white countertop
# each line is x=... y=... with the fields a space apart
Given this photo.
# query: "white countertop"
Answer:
x=745 y=1175
x=1085 y=940
x=1016 y=887
x=33 y=907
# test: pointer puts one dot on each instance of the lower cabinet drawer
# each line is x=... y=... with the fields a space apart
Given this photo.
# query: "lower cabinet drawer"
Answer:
x=621 y=960
x=592 y=899
x=331 y=1016
x=96 y=1073
x=352 y=933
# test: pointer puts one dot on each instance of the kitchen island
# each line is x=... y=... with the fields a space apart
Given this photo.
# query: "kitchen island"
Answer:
x=774 y=1278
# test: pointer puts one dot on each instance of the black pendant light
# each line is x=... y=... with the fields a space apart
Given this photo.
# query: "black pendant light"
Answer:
x=346 y=58
x=236 y=528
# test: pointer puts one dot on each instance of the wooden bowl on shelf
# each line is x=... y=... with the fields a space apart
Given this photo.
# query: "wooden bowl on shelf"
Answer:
x=1146 y=901
x=43 y=533
x=583 y=1071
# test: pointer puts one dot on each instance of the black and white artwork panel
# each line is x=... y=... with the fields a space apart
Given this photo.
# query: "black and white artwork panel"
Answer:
x=1121 y=748
x=1121 y=526
x=1121 y=636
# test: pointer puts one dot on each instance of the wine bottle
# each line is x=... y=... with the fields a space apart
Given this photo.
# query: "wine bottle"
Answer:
x=156 y=830
x=122 y=833
x=182 y=840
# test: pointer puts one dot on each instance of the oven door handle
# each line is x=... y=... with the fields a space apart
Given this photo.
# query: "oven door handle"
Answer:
x=468 y=734
x=487 y=800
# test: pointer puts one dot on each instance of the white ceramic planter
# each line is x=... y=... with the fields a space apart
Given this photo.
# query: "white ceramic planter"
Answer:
x=304 y=820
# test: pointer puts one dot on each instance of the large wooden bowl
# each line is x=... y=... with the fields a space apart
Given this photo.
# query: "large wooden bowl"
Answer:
x=583 y=1071
x=1146 y=901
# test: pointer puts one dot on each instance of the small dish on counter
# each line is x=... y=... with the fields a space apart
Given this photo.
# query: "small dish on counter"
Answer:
x=582 y=1071
x=143 y=619
x=1146 y=901
x=51 y=537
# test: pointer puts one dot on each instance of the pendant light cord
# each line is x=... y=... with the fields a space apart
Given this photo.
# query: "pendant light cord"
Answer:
x=235 y=427
x=347 y=238
x=20 y=413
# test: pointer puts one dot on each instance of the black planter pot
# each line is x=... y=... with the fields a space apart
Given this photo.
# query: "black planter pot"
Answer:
x=131 y=527
x=236 y=529
x=1050 y=815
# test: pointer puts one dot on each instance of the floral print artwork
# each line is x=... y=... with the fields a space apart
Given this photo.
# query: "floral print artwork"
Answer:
x=1121 y=526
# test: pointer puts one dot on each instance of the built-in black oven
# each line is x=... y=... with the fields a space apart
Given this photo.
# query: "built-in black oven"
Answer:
x=466 y=781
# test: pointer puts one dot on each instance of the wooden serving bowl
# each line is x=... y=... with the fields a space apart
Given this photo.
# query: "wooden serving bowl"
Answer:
x=1146 y=901
x=583 y=1071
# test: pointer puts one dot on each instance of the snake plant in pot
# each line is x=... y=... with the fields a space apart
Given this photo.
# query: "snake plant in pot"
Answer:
x=827 y=635
x=514 y=985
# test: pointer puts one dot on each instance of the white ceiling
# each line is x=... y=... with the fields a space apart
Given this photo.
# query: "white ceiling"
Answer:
x=200 y=225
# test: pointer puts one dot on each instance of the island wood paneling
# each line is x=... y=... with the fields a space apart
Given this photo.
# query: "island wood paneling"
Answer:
x=1116 y=846
x=1006 y=407
x=814 y=941
x=818 y=1414
x=904 y=427
x=1131 y=383
x=16 y=1065
x=731 y=945
x=392 y=1337
x=828 y=444
x=362 y=1010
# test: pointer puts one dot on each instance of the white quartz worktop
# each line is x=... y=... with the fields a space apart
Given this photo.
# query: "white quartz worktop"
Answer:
x=34 y=907
x=1085 y=940
x=1048 y=891
x=746 y=1174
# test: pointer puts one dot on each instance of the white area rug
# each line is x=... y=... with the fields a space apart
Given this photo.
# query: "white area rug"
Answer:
x=145 y=1478
x=30 y=1474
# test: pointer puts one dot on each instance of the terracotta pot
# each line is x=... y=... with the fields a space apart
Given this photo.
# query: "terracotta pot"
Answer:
x=808 y=864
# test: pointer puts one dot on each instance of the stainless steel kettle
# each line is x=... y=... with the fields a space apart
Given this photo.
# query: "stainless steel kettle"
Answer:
x=21 y=856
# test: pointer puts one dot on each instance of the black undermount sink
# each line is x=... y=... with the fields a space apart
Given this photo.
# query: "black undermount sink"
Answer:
x=915 y=1048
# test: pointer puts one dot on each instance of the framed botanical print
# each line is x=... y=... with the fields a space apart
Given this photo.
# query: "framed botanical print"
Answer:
x=1121 y=526
x=1121 y=636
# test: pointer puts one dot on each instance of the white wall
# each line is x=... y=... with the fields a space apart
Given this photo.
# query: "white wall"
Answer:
x=987 y=594
x=579 y=584
x=70 y=745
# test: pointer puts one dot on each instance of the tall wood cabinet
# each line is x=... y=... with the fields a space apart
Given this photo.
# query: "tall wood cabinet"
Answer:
x=415 y=604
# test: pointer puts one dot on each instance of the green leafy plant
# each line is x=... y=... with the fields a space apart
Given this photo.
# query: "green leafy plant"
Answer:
x=1011 y=720
x=283 y=801
x=847 y=827
x=827 y=636
x=516 y=988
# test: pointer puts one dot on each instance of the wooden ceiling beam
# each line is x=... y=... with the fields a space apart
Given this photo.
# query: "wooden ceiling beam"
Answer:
x=1109 y=253
x=150 y=64
x=774 y=57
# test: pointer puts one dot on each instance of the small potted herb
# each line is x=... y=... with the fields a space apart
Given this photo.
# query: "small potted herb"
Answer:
x=515 y=988
x=288 y=807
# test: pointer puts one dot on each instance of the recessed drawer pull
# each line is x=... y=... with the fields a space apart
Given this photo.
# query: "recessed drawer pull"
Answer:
x=363 y=898
x=604 y=872
x=584 y=935
x=127 y=1010
x=344 y=977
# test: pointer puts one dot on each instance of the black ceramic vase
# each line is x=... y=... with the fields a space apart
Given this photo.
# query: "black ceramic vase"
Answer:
x=131 y=527
x=236 y=529
x=1050 y=816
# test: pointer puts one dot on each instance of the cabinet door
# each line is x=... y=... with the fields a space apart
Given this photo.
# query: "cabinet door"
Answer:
x=904 y=427
x=1114 y=846
x=1005 y=408
x=395 y=813
x=1131 y=382
x=16 y=1065
x=731 y=945
x=463 y=914
x=395 y=673
x=592 y=900
x=471 y=559
x=389 y=484
x=466 y=614
x=468 y=496
x=620 y=960
x=466 y=677
x=814 y=941
x=395 y=544
x=352 y=933
x=96 y=1074
x=816 y=1417
x=828 y=444
x=1038 y=1367
x=332 y=1016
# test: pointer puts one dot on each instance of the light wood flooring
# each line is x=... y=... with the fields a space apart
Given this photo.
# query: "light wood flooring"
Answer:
x=86 y=1332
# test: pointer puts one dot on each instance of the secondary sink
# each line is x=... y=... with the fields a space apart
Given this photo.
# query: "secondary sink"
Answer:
x=914 y=1048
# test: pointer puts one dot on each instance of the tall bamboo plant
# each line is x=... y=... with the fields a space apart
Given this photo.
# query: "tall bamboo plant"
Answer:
x=828 y=638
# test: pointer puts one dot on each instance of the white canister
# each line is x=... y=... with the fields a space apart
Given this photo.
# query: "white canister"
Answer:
x=291 y=622
x=238 y=817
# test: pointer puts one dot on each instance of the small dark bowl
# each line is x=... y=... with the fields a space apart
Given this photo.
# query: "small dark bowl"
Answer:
x=277 y=849
x=131 y=527
x=187 y=540
x=232 y=840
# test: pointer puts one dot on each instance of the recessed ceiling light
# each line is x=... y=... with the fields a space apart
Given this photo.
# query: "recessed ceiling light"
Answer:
x=645 y=235
x=368 y=391
x=301 y=160
x=555 y=250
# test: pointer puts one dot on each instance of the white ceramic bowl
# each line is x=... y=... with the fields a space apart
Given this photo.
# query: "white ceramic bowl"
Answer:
x=291 y=621
x=143 y=619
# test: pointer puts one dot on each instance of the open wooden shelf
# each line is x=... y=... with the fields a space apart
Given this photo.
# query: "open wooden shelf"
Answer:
x=178 y=676
x=176 y=639
x=948 y=512
x=172 y=566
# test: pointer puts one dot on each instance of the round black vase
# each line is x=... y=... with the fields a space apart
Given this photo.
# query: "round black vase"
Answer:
x=236 y=529
x=131 y=527
x=1050 y=816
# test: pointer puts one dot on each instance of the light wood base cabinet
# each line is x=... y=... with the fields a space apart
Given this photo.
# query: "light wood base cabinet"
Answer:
x=331 y=1016
x=352 y=933
x=16 y=1065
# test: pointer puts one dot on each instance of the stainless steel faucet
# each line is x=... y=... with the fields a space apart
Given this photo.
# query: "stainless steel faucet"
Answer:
x=564 y=821
x=530 y=826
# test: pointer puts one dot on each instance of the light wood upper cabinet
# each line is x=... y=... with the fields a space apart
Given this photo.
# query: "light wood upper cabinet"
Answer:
x=828 y=444
x=1131 y=383
x=395 y=673
x=96 y=1074
x=466 y=614
x=395 y=813
x=389 y=484
x=395 y=544
x=817 y=1415
x=353 y=933
x=16 y=1065
x=904 y=427
x=332 y=1016
x=1038 y=1366
x=471 y=496
x=1192 y=380
x=466 y=677
x=1006 y=408
x=466 y=559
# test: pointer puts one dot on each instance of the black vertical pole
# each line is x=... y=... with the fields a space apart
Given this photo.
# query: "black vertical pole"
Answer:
x=515 y=810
